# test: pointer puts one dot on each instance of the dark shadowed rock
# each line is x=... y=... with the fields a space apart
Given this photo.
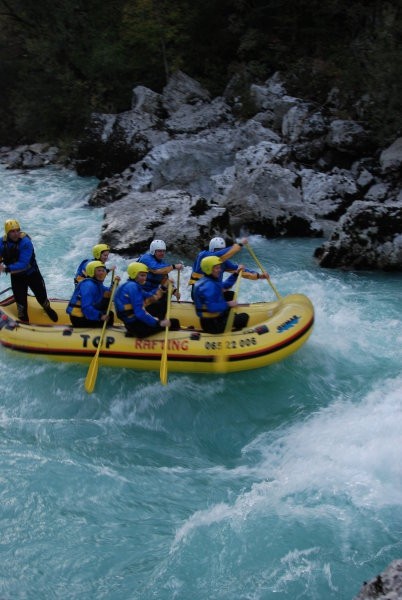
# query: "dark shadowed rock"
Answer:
x=147 y=101
x=32 y=156
x=113 y=142
x=348 y=136
x=182 y=89
x=368 y=236
x=391 y=157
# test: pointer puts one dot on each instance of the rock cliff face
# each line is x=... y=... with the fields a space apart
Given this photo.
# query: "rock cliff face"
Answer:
x=183 y=167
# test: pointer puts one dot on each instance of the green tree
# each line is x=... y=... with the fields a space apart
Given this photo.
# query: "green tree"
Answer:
x=61 y=60
x=61 y=53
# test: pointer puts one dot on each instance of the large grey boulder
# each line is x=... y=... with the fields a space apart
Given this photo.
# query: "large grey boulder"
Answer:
x=183 y=221
x=291 y=168
x=182 y=89
x=391 y=157
x=303 y=122
x=348 y=136
x=273 y=100
x=147 y=101
x=265 y=197
x=110 y=145
x=368 y=236
x=386 y=586
x=112 y=142
x=328 y=195
x=194 y=118
x=30 y=156
x=188 y=162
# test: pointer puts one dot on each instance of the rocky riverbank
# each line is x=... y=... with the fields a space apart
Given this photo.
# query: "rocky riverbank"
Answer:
x=183 y=166
x=385 y=586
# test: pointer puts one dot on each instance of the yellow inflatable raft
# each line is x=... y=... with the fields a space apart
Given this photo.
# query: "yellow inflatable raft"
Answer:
x=275 y=330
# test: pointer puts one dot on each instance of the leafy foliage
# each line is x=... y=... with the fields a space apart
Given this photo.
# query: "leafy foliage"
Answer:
x=61 y=60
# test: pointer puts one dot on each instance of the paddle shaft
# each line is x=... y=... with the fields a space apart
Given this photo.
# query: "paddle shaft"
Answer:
x=92 y=374
x=231 y=315
x=178 y=283
x=164 y=362
x=263 y=270
x=221 y=356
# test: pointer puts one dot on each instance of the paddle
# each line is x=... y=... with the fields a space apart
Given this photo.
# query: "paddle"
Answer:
x=164 y=365
x=221 y=357
x=92 y=374
x=178 y=285
x=262 y=270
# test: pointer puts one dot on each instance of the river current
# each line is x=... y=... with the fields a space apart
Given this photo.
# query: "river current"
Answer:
x=282 y=483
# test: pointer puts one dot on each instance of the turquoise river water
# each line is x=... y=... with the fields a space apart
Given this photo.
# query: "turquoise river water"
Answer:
x=283 y=483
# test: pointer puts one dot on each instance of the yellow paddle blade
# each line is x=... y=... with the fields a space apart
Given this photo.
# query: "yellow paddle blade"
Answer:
x=92 y=374
x=164 y=364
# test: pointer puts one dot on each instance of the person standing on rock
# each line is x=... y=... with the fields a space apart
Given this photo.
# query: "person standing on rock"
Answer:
x=217 y=247
x=17 y=256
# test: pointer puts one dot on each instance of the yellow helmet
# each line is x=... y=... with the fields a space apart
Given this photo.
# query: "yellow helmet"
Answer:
x=11 y=224
x=98 y=249
x=208 y=263
x=136 y=267
x=91 y=266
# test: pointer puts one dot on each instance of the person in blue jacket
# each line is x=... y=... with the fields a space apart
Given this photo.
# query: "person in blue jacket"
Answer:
x=17 y=257
x=158 y=274
x=89 y=302
x=210 y=303
x=100 y=252
x=158 y=268
x=217 y=247
x=131 y=302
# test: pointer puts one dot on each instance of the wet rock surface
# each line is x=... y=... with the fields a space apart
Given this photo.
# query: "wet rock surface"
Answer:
x=291 y=169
